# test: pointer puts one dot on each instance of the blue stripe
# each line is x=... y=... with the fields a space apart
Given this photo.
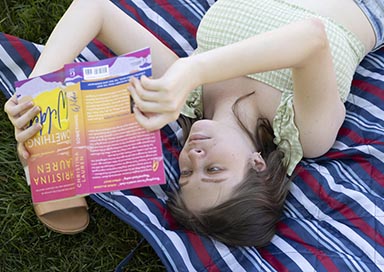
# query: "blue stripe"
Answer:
x=7 y=78
x=313 y=230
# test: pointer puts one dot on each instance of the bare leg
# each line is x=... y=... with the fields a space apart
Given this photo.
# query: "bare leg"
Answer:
x=88 y=19
x=82 y=22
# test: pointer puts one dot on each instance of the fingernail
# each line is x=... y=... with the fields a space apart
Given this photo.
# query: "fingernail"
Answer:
x=25 y=155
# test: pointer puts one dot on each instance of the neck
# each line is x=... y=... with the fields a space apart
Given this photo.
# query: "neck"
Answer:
x=248 y=113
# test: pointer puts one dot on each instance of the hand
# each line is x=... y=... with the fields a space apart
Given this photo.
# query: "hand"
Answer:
x=20 y=113
x=159 y=101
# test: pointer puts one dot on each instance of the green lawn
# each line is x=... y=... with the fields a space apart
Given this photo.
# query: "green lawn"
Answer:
x=25 y=244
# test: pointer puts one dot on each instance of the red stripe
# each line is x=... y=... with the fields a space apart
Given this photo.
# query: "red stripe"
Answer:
x=352 y=217
x=178 y=16
x=103 y=49
x=322 y=257
x=371 y=171
x=273 y=260
x=168 y=145
x=142 y=22
x=139 y=192
x=21 y=50
x=354 y=136
x=368 y=87
x=201 y=251
x=195 y=239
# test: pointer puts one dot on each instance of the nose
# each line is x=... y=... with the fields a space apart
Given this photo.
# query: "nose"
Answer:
x=196 y=153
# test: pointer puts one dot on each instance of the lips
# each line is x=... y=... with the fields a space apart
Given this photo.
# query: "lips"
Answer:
x=198 y=137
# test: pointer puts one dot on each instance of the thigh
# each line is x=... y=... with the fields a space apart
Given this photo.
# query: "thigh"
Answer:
x=123 y=34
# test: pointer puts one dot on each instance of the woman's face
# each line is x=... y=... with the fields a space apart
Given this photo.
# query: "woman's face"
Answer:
x=213 y=161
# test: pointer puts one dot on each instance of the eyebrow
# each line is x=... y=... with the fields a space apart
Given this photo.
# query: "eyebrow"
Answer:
x=210 y=180
x=213 y=180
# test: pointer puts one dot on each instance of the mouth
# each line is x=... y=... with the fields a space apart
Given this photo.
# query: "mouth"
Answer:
x=198 y=137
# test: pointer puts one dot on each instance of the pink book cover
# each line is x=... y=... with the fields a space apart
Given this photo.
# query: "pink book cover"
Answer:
x=103 y=148
x=50 y=165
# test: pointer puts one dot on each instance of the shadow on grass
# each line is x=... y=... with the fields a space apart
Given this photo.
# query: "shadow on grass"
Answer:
x=25 y=244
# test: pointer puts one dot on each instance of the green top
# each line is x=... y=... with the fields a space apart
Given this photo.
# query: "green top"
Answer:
x=229 y=21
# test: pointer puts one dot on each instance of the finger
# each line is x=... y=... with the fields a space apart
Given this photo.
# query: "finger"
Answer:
x=14 y=108
x=150 y=83
x=23 y=135
x=153 y=121
x=144 y=120
x=146 y=106
x=10 y=105
x=24 y=120
x=145 y=95
x=22 y=151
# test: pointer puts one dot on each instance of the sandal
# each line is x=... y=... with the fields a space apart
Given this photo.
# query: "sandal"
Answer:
x=65 y=216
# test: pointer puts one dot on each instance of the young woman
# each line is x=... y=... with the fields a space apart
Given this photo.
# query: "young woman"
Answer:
x=274 y=76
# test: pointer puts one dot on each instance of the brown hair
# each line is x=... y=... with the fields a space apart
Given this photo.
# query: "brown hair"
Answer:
x=249 y=217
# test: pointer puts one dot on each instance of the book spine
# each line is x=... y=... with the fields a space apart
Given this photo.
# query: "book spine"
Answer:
x=78 y=139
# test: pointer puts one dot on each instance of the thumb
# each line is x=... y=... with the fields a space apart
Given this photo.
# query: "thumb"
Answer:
x=150 y=83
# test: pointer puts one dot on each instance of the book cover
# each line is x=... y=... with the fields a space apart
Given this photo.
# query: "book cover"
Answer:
x=90 y=141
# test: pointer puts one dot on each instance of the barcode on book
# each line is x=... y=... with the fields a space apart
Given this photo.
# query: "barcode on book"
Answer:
x=96 y=72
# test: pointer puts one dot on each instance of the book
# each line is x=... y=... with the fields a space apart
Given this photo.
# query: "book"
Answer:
x=90 y=141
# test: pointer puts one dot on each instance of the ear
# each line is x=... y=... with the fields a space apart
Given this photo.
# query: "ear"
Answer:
x=258 y=162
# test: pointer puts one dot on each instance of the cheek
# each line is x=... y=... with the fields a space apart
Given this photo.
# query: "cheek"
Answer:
x=182 y=157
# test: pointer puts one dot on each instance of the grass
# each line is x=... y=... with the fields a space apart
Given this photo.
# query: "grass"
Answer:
x=25 y=244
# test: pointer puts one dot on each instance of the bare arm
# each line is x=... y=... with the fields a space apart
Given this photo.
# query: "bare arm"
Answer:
x=82 y=22
x=88 y=19
x=301 y=46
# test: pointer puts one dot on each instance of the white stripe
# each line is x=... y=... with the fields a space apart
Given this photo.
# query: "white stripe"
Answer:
x=88 y=54
x=158 y=191
x=17 y=71
x=211 y=2
x=364 y=202
x=194 y=7
x=367 y=149
x=367 y=105
x=328 y=240
x=349 y=233
x=157 y=19
x=256 y=259
x=228 y=257
x=292 y=253
x=39 y=47
x=364 y=124
x=4 y=81
x=376 y=60
x=174 y=238
x=352 y=177
x=367 y=73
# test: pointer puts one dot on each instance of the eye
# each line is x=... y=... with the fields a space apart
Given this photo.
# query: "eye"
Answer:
x=185 y=173
x=213 y=169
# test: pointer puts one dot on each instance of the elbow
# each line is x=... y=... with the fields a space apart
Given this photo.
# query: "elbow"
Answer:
x=324 y=134
x=316 y=33
x=315 y=42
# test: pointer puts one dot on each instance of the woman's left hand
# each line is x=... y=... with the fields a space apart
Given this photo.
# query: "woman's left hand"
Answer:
x=159 y=101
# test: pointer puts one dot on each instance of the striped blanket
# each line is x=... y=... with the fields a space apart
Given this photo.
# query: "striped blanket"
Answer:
x=334 y=215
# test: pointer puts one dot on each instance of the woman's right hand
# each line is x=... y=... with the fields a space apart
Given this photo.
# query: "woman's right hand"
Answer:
x=159 y=101
x=20 y=113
